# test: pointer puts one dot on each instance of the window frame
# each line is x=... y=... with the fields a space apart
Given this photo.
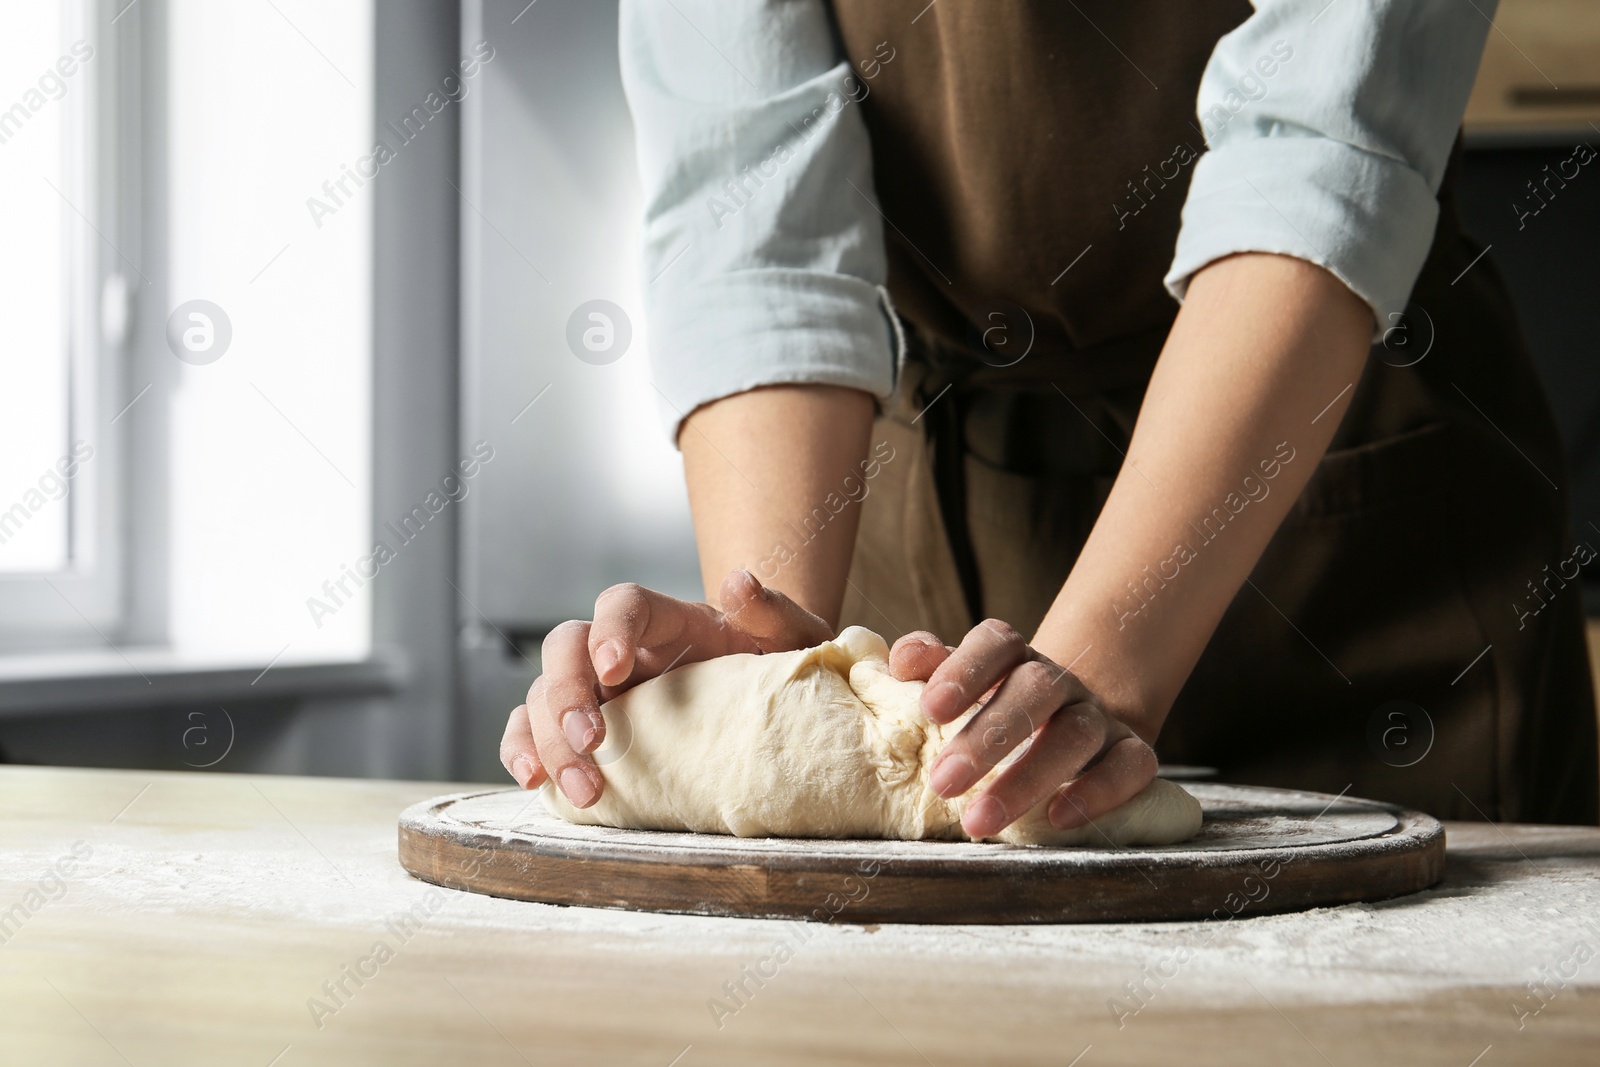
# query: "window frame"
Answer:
x=83 y=603
x=394 y=713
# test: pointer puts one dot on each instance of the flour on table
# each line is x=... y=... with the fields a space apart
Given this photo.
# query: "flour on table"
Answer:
x=822 y=742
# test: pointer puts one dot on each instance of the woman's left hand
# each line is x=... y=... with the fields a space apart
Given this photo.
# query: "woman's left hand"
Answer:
x=1083 y=759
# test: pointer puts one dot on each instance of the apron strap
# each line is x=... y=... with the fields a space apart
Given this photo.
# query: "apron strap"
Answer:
x=945 y=380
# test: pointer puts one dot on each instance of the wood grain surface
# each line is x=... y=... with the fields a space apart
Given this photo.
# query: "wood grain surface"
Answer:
x=1278 y=850
x=214 y=912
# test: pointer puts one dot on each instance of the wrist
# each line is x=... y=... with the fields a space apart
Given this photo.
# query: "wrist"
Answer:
x=1125 y=685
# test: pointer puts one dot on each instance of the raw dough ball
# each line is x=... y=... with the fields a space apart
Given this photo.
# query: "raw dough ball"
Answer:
x=822 y=742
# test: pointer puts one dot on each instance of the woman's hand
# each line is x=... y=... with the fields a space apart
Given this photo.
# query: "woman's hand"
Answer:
x=636 y=634
x=1088 y=760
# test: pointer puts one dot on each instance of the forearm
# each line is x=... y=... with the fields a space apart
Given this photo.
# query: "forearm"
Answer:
x=761 y=467
x=1235 y=419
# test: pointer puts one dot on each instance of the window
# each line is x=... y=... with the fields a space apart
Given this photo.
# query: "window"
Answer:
x=36 y=130
x=185 y=327
x=56 y=573
x=269 y=219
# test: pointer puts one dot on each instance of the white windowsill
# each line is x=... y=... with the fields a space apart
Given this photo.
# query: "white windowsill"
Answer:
x=42 y=683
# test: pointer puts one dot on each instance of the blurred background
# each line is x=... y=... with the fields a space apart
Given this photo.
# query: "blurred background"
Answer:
x=324 y=393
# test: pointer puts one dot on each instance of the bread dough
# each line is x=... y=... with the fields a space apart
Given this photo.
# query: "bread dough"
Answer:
x=822 y=742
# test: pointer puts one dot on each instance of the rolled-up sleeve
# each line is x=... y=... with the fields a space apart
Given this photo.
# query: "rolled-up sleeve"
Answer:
x=763 y=256
x=1329 y=126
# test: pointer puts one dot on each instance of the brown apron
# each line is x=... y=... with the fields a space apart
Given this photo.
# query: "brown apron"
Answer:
x=1032 y=160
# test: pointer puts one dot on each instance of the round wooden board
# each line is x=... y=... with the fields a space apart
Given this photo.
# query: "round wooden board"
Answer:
x=1260 y=851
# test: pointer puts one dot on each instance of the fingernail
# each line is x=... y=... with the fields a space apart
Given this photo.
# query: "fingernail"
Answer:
x=606 y=658
x=579 y=728
x=951 y=775
x=576 y=785
x=752 y=586
x=522 y=770
x=984 y=818
x=942 y=701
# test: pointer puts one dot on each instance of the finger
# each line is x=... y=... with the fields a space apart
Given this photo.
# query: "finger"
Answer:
x=565 y=715
x=916 y=656
x=517 y=752
x=985 y=656
x=1060 y=750
x=575 y=775
x=569 y=687
x=767 y=617
x=628 y=618
x=1122 y=774
x=1029 y=696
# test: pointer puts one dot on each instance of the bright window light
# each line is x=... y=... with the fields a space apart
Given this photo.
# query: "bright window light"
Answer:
x=33 y=309
x=269 y=105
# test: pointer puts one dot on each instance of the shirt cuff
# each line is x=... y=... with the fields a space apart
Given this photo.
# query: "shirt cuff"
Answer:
x=1366 y=218
x=729 y=333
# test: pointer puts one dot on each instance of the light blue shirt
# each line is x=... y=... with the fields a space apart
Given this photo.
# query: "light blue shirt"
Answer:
x=764 y=257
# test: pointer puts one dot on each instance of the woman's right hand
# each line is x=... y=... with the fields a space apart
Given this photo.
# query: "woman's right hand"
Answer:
x=636 y=634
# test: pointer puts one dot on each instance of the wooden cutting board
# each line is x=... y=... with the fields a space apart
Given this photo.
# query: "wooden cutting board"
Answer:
x=1260 y=851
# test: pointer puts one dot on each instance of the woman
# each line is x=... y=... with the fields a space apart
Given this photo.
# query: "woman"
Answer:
x=913 y=322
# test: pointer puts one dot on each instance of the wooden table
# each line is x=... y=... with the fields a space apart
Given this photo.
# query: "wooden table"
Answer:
x=212 y=918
